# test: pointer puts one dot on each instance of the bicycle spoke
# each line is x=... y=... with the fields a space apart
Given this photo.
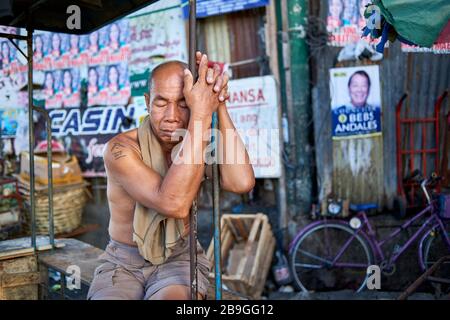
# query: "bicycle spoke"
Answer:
x=327 y=244
x=344 y=248
x=351 y=265
x=312 y=264
x=308 y=266
x=313 y=256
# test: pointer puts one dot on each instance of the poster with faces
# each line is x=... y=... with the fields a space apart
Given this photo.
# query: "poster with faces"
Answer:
x=355 y=102
x=345 y=21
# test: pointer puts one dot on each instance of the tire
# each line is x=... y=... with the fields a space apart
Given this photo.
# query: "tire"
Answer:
x=313 y=274
x=434 y=247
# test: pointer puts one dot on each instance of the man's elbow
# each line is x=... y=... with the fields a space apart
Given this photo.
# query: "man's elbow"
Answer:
x=175 y=208
x=240 y=186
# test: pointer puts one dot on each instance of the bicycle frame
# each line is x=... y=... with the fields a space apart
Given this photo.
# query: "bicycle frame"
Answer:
x=377 y=246
x=364 y=231
x=433 y=221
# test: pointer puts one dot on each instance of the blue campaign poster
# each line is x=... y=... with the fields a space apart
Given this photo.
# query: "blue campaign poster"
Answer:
x=355 y=102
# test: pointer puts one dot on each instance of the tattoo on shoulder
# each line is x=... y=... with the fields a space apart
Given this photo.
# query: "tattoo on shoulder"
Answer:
x=117 y=150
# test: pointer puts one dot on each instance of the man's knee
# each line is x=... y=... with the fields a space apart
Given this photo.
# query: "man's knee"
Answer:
x=174 y=292
x=112 y=283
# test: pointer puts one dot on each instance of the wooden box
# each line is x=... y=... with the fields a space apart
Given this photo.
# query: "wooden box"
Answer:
x=19 y=278
x=247 y=246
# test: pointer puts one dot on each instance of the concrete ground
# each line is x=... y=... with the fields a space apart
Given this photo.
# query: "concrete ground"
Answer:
x=349 y=295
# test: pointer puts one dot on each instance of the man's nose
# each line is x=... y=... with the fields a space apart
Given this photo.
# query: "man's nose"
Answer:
x=172 y=112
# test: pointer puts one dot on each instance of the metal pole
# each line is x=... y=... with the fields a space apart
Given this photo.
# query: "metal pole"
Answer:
x=216 y=211
x=48 y=121
x=193 y=213
x=297 y=12
x=286 y=108
x=31 y=133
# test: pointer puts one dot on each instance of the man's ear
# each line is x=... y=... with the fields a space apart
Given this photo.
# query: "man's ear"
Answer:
x=147 y=101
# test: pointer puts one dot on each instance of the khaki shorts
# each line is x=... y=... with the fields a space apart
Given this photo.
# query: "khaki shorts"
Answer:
x=126 y=275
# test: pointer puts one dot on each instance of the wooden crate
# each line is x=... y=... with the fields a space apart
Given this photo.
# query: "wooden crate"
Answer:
x=19 y=278
x=250 y=234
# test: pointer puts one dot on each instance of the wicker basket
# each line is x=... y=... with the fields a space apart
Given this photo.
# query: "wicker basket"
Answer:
x=68 y=204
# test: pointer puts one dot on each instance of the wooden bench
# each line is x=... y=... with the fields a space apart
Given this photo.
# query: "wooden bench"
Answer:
x=85 y=256
x=19 y=273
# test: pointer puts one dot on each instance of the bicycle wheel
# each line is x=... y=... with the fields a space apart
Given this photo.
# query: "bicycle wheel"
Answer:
x=435 y=247
x=315 y=264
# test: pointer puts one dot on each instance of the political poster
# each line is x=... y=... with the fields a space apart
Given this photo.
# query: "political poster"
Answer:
x=355 y=102
x=156 y=36
x=87 y=80
x=345 y=21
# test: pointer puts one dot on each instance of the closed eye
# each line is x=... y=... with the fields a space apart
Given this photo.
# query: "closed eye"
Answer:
x=159 y=103
x=182 y=103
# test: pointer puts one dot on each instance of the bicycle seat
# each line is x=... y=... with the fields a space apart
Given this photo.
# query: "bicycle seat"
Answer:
x=363 y=206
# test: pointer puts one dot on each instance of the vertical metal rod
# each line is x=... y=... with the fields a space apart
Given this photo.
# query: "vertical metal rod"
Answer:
x=50 y=181
x=48 y=121
x=216 y=210
x=193 y=251
x=193 y=213
x=31 y=133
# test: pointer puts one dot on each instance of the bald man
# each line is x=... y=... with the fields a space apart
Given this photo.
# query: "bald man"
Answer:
x=175 y=101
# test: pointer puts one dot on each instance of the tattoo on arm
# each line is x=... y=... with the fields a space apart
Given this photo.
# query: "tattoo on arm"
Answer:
x=117 y=151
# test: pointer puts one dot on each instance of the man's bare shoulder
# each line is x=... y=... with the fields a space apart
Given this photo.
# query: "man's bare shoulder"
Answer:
x=120 y=147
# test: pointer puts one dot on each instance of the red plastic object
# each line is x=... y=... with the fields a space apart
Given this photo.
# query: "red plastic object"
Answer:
x=413 y=126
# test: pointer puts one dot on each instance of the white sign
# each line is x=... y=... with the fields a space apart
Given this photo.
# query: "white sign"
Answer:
x=253 y=107
x=157 y=34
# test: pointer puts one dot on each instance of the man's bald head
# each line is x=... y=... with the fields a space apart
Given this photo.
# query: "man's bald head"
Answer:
x=166 y=102
x=167 y=69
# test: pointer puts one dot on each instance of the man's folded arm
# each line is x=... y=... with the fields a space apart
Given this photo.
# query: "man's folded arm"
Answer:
x=167 y=196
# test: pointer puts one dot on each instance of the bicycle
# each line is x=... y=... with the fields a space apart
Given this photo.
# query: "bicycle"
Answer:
x=333 y=254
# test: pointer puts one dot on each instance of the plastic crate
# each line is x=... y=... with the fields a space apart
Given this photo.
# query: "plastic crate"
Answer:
x=444 y=206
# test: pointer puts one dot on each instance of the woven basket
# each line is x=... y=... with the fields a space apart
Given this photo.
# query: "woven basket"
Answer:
x=68 y=207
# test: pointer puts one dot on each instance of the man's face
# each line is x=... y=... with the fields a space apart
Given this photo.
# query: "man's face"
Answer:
x=73 y=41
x=359 y=90
x=113 y=76
x=335 y=8
x=67 y=80
x=55 y=42
x=92 y=77
x=166 y=103
x=114 y=33
x=349 y=10
x=5 y=50
x=48 y=81
x=38 y=44
x=93 y=38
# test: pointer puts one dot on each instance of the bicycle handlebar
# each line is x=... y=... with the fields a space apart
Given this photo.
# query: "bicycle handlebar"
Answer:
x=413 y=174
x=417 y=175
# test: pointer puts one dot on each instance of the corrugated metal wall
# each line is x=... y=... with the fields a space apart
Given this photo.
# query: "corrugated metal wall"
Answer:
x=424 y=75
x=235 y=37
